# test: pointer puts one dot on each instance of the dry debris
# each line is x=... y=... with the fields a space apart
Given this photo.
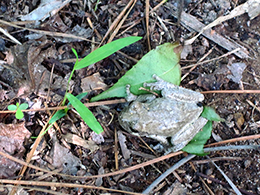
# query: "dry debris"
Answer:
x=36 y=61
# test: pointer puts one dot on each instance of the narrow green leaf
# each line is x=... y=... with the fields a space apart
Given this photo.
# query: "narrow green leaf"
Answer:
x=80 y=96
x=210 y=114
x=23 y=106
x=162 y=61
x=19 y=114
x=85 y=113
x=75 y=52
x=105 y=51
x=12 y=107
x=58 y=115
x=196 y=145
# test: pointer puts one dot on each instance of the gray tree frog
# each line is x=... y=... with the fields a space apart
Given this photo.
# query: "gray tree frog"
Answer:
x=176 y=114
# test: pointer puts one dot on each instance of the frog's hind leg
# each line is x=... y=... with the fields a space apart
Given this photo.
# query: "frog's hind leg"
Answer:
x=169 y=90
x=141 y=98
x=160 y=84
x=186 y=135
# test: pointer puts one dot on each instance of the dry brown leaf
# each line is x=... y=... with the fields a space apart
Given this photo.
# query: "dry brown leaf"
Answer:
x=63 y=158
x=12 y=137
x=239 y=120
x=125 y=151
x=93 y=82
x=74 y=139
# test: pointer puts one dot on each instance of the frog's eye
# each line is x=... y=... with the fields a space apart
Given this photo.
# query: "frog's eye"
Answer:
x=200 y=104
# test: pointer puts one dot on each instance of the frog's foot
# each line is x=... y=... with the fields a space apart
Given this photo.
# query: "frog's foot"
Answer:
x=129 y=96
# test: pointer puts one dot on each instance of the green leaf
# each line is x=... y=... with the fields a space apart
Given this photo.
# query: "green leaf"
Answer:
x=12 y=107
x=75 y=52
x=85 y=114
x=80 y=96
x=58 y=115
x=23 y=106
x=19 y=114
x=162 y=61
x=210 y=114
x=105 y=51
x=196 y=145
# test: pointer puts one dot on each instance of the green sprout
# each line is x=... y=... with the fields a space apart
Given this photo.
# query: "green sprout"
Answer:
x=18 y=107
x=95 y=56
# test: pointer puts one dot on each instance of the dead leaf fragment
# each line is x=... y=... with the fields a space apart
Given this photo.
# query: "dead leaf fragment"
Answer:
x=93 y=82
x=176 y=189
x=12 y=137
x=215 y=80
x=125 y=151
x=46 y=9
x=74 y=139
x=236 y=69
x=63 y=158
x=239 y=120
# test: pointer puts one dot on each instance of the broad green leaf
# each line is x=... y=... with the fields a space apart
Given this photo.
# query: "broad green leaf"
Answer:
x=105 y=51
x=85 y=113
x=196 y=145
x=19 y=114
x=58 y=115
x=12 y=107
x=23 y=106
x=162 y=61
x=210 y=114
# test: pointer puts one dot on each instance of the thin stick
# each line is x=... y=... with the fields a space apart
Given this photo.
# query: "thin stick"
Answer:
x=54 y=34
x=120 y=23
x=116 y=21
x=147 y=5
x=217 y=58
x=10 y=36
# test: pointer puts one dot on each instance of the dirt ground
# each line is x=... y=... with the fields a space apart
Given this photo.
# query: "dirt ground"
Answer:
x=35 y=48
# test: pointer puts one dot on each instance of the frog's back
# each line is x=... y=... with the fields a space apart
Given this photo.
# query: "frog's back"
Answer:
x=166 y=117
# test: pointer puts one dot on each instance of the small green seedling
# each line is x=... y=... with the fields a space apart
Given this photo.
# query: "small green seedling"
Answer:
x=97 y=55
x=18 y=107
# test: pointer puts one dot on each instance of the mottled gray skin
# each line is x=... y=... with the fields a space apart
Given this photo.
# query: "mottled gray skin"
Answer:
x=176 y=114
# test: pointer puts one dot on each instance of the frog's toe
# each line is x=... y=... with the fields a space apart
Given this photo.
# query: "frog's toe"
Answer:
x=127 y=87
x=156 y=77
x=129 y=96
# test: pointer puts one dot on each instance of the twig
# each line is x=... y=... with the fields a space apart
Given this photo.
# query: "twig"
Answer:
x=186 y=159
x=213 y=59
x=59 y=185
x=118 y=18
x=147 y=5
x=121 y=23
x=54 y=34
x=222 y=183
x=226 y=177
x=168 y=172
x=209 y=52
x=10 y=36
x=191 y=23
